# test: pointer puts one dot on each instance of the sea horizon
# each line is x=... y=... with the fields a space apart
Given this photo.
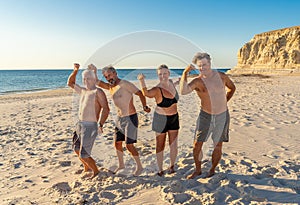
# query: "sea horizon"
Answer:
x=117 y=68
x=24 y=81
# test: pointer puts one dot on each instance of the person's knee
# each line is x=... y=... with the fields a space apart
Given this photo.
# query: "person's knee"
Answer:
x=197 y=146
x=218 y=148
x=160 y=147
x=173 y=143
x=129 y=147
x=118 y=144
x=84 y=157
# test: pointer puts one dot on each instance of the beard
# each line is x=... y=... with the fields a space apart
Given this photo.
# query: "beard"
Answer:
x=112 y=81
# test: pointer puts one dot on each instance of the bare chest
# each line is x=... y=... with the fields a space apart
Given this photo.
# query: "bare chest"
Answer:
x=88 y=98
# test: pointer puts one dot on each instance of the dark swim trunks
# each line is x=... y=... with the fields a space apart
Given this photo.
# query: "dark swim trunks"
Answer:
x=164 y=123
x=215 y=125
x=126 y=128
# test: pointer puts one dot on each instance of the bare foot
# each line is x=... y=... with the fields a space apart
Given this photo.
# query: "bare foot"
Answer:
x=118 y=169
x=80 y=171
x=195 y=174
x=210 y=174
x=160 y=173
x=87 y=175
x=171 y=170
x=86 y=169
x=138 y=171
x=94 y=175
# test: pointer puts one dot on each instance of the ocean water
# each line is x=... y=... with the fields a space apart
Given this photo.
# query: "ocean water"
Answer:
x=20 y=81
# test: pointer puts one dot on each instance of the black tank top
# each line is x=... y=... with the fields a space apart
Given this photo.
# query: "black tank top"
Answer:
x=167 y=102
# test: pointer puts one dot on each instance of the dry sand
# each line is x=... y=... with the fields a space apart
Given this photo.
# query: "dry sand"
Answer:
x=260 y=164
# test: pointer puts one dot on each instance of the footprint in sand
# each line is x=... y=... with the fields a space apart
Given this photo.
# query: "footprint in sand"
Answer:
x=181 y=198
x=108 y=195
x=269 y=170
x=227 y=163
x=61 y=187
x=146 y=152
x=65 y=163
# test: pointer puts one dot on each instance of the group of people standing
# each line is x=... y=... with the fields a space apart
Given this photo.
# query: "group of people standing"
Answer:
x=214 y=89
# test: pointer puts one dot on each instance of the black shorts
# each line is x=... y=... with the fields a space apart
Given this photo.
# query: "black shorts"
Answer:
x=126 y=128
x=164 y=123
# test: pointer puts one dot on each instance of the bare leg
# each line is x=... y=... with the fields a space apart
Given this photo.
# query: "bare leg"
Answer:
x=135 y=155
x=119 y=151
x=92 y=165
x=173 y=143
x=197 y=150
x=86 y=167
x=216 y=156
x=160 y=146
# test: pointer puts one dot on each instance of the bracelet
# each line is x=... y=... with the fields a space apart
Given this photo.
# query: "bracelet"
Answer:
x=100 y=125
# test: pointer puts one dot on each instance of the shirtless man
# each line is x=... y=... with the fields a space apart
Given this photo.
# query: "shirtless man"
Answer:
x=127 y=121
x=213 y=119
x=92 y=102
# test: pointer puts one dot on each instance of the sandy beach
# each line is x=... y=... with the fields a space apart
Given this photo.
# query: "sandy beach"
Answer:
x=260 y=163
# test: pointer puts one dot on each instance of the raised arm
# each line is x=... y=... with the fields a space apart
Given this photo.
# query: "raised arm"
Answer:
x=102 y=84
x=148 y=93
x=72 y=79
x=99 y=83
x=186 y=88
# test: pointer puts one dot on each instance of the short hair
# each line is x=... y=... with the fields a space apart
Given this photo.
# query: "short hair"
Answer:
x=89 y=72
x=108 y=68
x=162 y=66
x=199 y=56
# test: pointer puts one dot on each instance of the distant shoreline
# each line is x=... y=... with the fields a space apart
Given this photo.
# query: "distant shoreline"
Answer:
x=39 y=90
x=130 y=68
x=26 y=81
x=264 y=71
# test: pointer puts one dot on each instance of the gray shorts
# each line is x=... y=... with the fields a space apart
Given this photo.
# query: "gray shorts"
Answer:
x=84 y=138
x=126 y=128
x=215 y=125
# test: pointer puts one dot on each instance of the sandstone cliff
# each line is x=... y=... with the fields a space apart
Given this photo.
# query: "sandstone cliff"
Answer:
x=271 y=52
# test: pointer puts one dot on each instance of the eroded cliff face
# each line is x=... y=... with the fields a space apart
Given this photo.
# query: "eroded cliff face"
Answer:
x=271 y=52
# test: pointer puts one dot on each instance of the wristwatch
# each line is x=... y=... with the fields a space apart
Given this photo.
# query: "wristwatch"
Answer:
x=145 y=107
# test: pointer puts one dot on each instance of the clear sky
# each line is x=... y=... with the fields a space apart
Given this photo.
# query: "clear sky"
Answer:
x=56 y=33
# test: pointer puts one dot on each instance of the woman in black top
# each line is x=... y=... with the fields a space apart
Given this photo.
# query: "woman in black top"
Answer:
x=165 y=119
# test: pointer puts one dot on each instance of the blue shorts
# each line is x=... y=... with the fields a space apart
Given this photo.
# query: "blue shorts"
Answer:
x=215 y=125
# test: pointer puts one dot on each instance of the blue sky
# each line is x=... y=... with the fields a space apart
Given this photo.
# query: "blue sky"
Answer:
x=56 y=33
